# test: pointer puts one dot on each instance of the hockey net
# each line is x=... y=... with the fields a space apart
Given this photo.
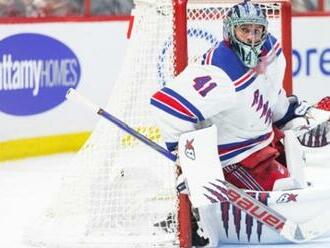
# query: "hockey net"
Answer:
x=117 y=192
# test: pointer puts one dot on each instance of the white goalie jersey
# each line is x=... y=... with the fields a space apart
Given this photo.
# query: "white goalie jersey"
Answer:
x=242 y=102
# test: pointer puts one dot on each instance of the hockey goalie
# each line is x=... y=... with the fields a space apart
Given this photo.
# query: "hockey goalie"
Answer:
x=250 y=133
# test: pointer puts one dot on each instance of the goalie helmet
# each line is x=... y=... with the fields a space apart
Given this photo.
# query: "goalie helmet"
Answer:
x=242 y=14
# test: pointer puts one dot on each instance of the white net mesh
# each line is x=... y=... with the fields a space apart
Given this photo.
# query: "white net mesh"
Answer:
x=118 y=192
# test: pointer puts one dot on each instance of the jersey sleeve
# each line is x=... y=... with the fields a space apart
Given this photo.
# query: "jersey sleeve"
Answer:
x=198 y=93
x=282 y=107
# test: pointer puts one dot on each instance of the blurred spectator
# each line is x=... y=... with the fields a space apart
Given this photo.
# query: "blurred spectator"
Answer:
x=327 y=5
x=111 y=7
x=58 y=7
x=12 y=8
x=41 y=8
x=304 y=5
x=30 y=8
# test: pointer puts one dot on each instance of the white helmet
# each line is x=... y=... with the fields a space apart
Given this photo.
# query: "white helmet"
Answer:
x=245 y=13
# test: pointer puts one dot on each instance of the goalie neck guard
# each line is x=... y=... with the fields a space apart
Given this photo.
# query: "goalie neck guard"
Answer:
x=240 y=14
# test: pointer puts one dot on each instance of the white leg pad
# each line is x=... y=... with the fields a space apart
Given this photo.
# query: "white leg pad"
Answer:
x=200 y=164
x=295 y=160
x=199 y=161
x=318 y=156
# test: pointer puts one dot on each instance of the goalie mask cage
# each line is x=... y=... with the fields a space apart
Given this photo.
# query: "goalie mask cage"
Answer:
x=117 y=192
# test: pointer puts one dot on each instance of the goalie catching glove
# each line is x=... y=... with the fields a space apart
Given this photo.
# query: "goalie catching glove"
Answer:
x=296 y=114
x=324 y=104
x=312 y=123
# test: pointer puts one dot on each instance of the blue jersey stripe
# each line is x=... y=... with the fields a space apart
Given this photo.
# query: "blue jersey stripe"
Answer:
x=225 y=58
x=246 y=84
x=240 y=147
x=246 y=142
x=184 y=102
x=279 y=52
x=235 y=153
x=165 y=108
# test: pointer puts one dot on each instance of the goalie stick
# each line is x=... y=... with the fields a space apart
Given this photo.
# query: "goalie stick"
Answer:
x=297 y=233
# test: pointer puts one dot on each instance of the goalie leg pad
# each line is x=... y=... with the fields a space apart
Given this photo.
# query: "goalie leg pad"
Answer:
x=316 y=145
x=317 y=137
x=295 y=163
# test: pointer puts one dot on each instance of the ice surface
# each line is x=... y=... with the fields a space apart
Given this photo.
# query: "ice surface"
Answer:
x=27 y=185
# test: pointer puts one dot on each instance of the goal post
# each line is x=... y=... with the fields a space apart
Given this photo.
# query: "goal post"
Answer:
x=116 y=191
x=286 y=27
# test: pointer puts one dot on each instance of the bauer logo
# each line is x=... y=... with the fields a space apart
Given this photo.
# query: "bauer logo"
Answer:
x=35 y=73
